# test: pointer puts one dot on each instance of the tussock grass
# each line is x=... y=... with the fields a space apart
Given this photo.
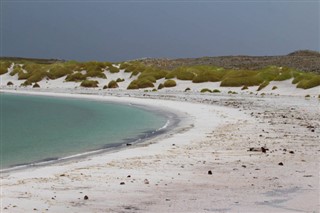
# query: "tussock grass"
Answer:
x=113 y=69
x=35 y=71
x=78 y=76
x=9 y=83
x=216 y=91
x=161 y=86
x=113 y=84
x=4 y=66
x=244 y=87
x=169 y=83
x=36 y=85
x=120 y=80
x=89 y=83
x=26 y=83
x=309 y=82
x=238 y=78
x=205 y=90
x=263 y=85
x=140 y=84
x=96 y=74
x=58 y=70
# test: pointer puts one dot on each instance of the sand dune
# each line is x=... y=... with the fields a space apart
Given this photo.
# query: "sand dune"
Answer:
x=203 y=165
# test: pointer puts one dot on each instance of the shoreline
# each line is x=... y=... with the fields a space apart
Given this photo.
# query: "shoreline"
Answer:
x=172 y=125
x=206 y=166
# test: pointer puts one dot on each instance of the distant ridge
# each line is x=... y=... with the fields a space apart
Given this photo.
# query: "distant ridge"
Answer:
x=305 y=53
x=304 y=60
x=36 y=60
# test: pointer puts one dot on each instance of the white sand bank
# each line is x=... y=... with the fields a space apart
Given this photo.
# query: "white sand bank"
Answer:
x=170 y=174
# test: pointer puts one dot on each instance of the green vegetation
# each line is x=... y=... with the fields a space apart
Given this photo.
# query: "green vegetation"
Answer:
x=161 y=86
x=263 y=94
x=232 y=92
x=113 y=84
x=187 y=89
x=105 y=87
x=274 y=87
x=205 y=90
x=309 y=82
x=263 y=85
x=307 y=96
x=96 y=74
x=113 y=69
x=89 y=83
x=36 y=85
x=147 y=75
x=169 y=83
x=26 y=83
x=140 y=83
x=78 y=76
x=9 y=83
x=244 y=88
x=216 y=91
x=4 y=66
x=120 y=80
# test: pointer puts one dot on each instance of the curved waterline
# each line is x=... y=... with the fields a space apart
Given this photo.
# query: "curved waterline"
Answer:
x=170 y=119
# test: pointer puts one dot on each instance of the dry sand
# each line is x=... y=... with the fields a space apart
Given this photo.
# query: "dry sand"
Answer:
x=201 y=166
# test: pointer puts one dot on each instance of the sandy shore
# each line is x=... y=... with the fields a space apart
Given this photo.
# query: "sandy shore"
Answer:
x=202 y=166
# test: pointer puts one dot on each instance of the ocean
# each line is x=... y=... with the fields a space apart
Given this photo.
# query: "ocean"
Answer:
x=36 y=129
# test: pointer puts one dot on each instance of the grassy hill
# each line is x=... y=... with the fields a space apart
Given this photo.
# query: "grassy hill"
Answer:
x=231 y=71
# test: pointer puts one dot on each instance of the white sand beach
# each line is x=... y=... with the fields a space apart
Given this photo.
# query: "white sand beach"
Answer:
x=211 y=162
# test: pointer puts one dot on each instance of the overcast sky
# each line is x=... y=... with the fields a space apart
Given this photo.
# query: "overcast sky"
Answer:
x=120 y=30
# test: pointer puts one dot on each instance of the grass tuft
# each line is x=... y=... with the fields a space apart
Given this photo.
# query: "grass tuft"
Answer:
x=169 y=83
x=205 y=90
x=89 y=83
x=113 y=84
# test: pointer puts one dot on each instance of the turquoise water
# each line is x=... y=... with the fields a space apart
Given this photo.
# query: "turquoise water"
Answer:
x=38 y=128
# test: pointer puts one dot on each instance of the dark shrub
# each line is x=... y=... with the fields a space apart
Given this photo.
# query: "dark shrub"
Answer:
x=205 y=90
x=169 y=83
x=89 y=83
x=120 y=80
x=113 y=84
x=36 y=85
x=161 y=86
x=78 y=76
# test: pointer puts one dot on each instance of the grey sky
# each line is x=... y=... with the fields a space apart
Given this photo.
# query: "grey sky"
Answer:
x=121 y=30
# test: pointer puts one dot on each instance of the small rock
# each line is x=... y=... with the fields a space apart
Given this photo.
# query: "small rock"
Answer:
x=86 y=197
x=263 y=149
x=244 y=166
x=122 y=183
x=129 y=176
x=209 y=172
x=62 y=175
x=291 y=152
x=146 y=181
x=280 y=164
x=129 y=144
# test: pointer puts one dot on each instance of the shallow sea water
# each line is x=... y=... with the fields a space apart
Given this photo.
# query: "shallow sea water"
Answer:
x=41 y=128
